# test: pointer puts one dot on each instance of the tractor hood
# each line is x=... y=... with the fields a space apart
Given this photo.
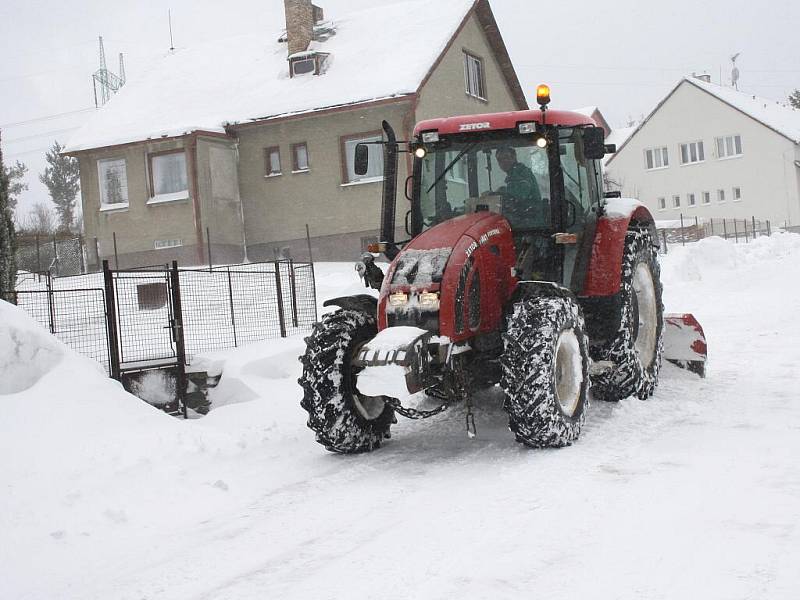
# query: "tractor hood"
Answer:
x=430 y=276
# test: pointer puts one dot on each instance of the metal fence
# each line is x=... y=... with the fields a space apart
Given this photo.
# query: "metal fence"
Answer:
x=686 y=231
x=126 y=318
x=54 y=254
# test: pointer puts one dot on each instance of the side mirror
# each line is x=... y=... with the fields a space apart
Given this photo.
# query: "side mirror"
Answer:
x=361 y=163
x=593 y=143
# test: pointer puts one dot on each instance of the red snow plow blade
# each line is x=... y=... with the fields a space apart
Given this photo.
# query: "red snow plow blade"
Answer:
x=685 y=343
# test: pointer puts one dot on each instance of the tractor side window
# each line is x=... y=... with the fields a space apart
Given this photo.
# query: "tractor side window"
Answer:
x=577 y=181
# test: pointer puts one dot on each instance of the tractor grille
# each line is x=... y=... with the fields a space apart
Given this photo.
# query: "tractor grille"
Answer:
x=429 y=320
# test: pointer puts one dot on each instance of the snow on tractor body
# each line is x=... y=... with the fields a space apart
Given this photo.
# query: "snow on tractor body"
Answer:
x=519 y=271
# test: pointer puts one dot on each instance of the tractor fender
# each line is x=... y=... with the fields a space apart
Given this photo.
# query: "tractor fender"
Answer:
x=604 y=276
x=360 y=303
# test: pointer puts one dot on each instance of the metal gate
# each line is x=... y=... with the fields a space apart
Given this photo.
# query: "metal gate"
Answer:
x=145 y=325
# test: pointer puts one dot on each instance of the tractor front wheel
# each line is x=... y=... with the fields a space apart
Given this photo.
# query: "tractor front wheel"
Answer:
x=545 y=371
x=344 y=420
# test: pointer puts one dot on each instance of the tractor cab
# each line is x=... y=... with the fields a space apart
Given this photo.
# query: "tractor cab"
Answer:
x=539 y=169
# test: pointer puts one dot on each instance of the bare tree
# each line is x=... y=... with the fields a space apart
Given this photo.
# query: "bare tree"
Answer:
x=794 y=99
x=40 y=220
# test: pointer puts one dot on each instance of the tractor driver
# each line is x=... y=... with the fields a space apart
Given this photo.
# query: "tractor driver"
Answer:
x=522 y=200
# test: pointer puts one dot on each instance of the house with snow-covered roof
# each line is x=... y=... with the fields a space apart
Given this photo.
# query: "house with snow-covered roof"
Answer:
x=713 y=152
x=252 y=138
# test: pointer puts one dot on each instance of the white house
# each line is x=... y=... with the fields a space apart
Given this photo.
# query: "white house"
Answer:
x=712 y=151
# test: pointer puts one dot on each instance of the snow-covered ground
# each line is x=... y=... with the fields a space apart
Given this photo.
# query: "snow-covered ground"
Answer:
x=693 y=494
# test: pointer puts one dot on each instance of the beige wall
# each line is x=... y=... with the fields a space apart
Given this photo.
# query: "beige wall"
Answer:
x=138 y=226
x=278 y=208
x=765 y=172
x=444 y=94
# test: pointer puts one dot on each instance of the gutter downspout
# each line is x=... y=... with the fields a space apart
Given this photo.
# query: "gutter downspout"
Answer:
x=194 y=192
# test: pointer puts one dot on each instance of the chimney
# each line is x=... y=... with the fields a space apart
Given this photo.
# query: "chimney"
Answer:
x=299 y=24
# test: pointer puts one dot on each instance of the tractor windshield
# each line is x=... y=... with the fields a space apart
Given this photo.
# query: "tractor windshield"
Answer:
x=508 y=176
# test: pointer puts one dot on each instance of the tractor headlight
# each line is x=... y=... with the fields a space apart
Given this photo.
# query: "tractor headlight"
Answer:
x=429 y=300
x=398 y=299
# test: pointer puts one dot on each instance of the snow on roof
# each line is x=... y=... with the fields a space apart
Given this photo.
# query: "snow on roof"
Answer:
x=776 y=115
x=779 y=117
x=586 y=111
x=376 y=53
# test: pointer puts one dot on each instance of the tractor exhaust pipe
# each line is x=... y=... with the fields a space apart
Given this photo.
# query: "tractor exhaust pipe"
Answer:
x=389 y=203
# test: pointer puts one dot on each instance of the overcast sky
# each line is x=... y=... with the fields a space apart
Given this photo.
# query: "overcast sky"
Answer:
x=623 y=56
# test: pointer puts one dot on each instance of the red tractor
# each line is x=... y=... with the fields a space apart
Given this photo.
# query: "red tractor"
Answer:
x=520 y=271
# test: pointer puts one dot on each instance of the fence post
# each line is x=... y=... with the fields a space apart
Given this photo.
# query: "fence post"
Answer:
x=233 y=314
x=769 y=229
x=663 y=237
x=208 y=250
x=736 y=231
x=111 y=321
x=279 y=292
x=51 y=308
x=712 y=226
x=116 y=257
x=81 y=250
x=683 y=239
x=746 y=239
x=55 y=255
x=754 y=227
x=308 y=241
x=177 y=331
x=38 y=256
x=293 y=289
x=725 y=228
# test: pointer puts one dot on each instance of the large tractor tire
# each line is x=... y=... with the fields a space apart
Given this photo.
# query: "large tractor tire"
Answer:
x=635 y=350
x=343 y=419
x=545 y=371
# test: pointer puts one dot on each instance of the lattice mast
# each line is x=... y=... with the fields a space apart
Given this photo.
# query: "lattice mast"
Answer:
x=106 y=83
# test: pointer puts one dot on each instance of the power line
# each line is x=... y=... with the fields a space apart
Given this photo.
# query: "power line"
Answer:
x=48 y=117
x=38 y=135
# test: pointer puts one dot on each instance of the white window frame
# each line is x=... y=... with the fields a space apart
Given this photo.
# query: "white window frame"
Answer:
x=656 y=159
x=736 y=194
x=726 y=146
x=297 y=167
x=704 y=196
x=721 y=196
x=662 y=203
x=156 y=198
x=167 y=244
x=375 y=170
x=691 y=200
x=268 y=153
x=676 y=201
x=474 y=76
x=108 y=206
x=699 y=150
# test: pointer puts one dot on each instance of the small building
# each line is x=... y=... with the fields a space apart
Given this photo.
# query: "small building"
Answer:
x=713 y=152
x=246 y=141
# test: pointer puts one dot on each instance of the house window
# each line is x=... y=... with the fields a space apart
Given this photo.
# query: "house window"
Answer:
x=168 y=179
x=656 y=158
x=375 y=169
x=474 y=78
x=163 y=244
x=272 y=160
x=706 y=197
x=113 y=178
x=692 y=152
x=300 y=162
x=662 y=204
x=676 y=202
x=302 y=66
x=720 y=196
x=690 y=199
x=729 y=146
x=737 y=194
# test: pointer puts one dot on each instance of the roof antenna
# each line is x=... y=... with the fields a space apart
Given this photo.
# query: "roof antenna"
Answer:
x=171 y=43
x=735 y=71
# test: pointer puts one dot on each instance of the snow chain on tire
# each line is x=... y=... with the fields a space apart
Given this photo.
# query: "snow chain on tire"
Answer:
x=528 y=364
x=329 y=385
x=630 y=377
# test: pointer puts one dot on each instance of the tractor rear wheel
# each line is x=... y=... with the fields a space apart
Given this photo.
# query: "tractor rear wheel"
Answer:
x=343 y=419
x=545 y=371
x=636 y=348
